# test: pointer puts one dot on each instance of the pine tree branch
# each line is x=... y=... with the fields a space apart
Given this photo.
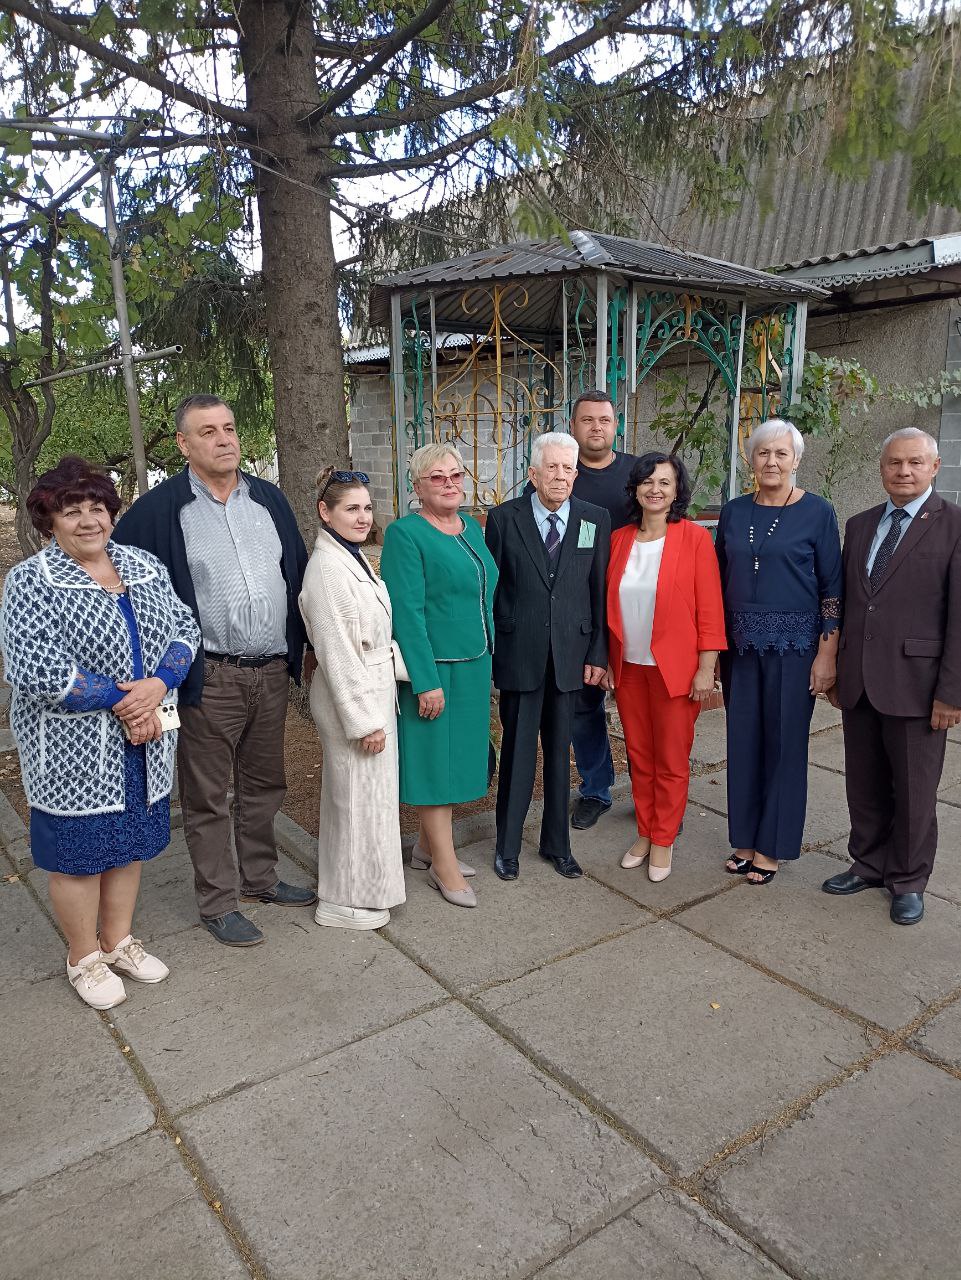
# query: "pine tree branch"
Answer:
x=394 y=43
x=406 y=163
x=55 y=26
x=377 y=122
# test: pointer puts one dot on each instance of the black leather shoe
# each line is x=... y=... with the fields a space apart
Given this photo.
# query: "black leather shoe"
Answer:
x=234 y=930
x=564 y=866
x=848 y=882
x=283 y=895
x=907 y=908
x=587 y=811
x=506 y=868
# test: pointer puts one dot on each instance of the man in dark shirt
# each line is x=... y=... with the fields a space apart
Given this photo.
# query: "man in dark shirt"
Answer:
x=602 y=476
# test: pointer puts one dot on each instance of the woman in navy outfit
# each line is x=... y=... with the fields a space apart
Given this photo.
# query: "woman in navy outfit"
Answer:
x=780 y=558
x=94 y=642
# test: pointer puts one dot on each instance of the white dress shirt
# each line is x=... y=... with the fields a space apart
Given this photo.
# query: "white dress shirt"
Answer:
x=638 y=591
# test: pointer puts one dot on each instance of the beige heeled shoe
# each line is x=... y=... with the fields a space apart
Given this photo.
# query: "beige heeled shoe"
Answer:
x=632 y=859
x=457 y=897
x=661 y=873
x=420 y=860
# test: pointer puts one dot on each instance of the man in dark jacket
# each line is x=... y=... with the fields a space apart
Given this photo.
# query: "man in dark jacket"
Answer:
x=550 y=640
x=899 y=673
x=235 y=556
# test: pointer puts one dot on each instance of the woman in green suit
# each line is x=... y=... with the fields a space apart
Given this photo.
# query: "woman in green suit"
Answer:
x=441 y=580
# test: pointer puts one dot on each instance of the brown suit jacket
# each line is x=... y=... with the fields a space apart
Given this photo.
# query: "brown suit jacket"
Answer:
x=901 y=644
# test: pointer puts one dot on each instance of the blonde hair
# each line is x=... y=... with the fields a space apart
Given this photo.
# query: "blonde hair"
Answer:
x=429 y=455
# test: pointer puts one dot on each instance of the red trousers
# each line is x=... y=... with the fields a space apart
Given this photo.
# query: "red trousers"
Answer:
x=658 y=734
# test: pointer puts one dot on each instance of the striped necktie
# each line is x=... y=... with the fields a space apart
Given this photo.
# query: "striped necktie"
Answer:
x=887 y=548
x=553 y=539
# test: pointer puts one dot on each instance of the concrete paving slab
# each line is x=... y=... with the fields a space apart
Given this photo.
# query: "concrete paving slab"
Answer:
x=827 y=750
x=433 y=1150
x=842 y=1196
x=134 y=1211
x=72 y=1096
x=946 y=878
x=827 y=811
x=710 y=740
x=697 y=868
x=825 y=716
x=517 y=926
x=631 y=1023
x=942 y=1036
x=228 y=1016
x=845 y=949
x=167 y=904
x=667 y=1237
x=32 y=949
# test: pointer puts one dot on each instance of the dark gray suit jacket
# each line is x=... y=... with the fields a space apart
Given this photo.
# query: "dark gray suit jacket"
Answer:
x=536 y=614
x=901 y=643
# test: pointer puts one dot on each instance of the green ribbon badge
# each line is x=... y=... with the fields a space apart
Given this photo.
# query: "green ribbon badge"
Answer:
x=585 y=536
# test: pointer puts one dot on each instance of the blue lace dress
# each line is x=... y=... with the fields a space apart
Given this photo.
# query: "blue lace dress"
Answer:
x=89 y=844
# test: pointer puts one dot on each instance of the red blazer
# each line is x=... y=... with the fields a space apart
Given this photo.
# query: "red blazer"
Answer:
x=688 y=607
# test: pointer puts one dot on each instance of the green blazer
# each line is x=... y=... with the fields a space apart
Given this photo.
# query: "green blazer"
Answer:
x=441 y=595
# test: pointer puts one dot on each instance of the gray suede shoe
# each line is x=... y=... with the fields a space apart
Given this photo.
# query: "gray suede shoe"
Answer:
x=234 y=930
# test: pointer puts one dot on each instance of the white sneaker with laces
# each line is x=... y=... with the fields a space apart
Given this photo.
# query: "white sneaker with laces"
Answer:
x=130 y=958
x=332 y=913
x=94 y=983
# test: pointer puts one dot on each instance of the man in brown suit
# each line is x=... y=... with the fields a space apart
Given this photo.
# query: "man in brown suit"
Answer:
x=899 y=673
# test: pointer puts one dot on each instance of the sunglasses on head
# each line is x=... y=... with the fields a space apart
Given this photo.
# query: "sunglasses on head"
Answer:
x=343 y=477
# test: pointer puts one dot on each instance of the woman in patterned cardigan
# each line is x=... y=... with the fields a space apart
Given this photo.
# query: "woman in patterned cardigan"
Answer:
x=94 y=641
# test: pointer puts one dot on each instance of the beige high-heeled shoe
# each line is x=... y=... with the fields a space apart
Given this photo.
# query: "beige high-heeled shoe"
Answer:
x=457 y=897
x=420 y=860
x=661 y=873
x=632 y=859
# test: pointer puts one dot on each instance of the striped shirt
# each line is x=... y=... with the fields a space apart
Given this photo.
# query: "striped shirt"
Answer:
x=234 y=551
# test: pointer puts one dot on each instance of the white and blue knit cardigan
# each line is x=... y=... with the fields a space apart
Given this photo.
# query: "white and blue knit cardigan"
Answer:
x=56 y=621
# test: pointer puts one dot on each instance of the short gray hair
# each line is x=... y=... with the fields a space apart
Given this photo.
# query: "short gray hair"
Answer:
x=429 y=455
x=773 y=429
x=912 y=433
x=558 y=438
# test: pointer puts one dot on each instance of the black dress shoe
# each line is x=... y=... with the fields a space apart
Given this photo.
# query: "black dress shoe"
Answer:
x=587 y=811
x=907 y=908
x=506 y=868
x=849 y=882
x=565 y=866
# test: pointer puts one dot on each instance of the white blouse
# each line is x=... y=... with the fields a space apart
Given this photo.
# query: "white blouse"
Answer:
x=637 y=594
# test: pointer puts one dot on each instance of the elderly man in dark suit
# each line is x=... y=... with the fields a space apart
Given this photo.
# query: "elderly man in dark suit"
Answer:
x=899 y=673
x=549 y=641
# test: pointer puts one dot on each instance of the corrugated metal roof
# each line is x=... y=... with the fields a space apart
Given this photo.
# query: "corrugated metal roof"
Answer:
x=814 y=214
x=546 y=262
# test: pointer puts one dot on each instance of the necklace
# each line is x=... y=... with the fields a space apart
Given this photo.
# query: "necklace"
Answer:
x=777 y=520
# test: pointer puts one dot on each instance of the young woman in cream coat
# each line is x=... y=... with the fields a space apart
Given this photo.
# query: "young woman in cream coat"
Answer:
x=352 y=699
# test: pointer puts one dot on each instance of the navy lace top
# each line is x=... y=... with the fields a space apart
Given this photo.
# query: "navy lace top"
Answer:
x=793 y=596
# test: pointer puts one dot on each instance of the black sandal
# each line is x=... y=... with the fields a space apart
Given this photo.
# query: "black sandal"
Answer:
x=766 y=876
x=741 y=866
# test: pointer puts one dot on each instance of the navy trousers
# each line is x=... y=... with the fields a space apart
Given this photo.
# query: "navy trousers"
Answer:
x=769 y=707
x=592 y=747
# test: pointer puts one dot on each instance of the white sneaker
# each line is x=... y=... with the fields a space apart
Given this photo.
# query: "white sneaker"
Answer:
x=130 y=958
x=94 y=983
x=350 y=917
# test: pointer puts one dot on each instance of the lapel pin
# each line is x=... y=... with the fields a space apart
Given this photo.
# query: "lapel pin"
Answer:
x=924 y=515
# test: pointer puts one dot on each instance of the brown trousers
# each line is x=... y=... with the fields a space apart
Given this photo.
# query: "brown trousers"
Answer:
x=237 y=733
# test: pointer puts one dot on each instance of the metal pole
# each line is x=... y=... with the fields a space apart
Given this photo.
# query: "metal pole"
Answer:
x=397 y=389
x=600 y=348
x=123 y=324
x=736 y=410
x=106 y=364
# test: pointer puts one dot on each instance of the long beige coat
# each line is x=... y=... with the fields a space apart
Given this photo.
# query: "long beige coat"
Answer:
x=352 y=694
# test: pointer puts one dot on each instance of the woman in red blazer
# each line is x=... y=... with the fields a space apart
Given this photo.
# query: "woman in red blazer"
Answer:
x=665 y=616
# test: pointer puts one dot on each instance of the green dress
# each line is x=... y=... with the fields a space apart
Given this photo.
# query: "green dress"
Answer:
x=442 y=593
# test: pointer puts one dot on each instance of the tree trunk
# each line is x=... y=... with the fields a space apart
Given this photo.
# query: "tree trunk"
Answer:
x=299 y=267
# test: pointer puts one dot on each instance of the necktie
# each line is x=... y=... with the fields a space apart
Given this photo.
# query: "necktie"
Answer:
x=553 y=539
x=887 y=548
